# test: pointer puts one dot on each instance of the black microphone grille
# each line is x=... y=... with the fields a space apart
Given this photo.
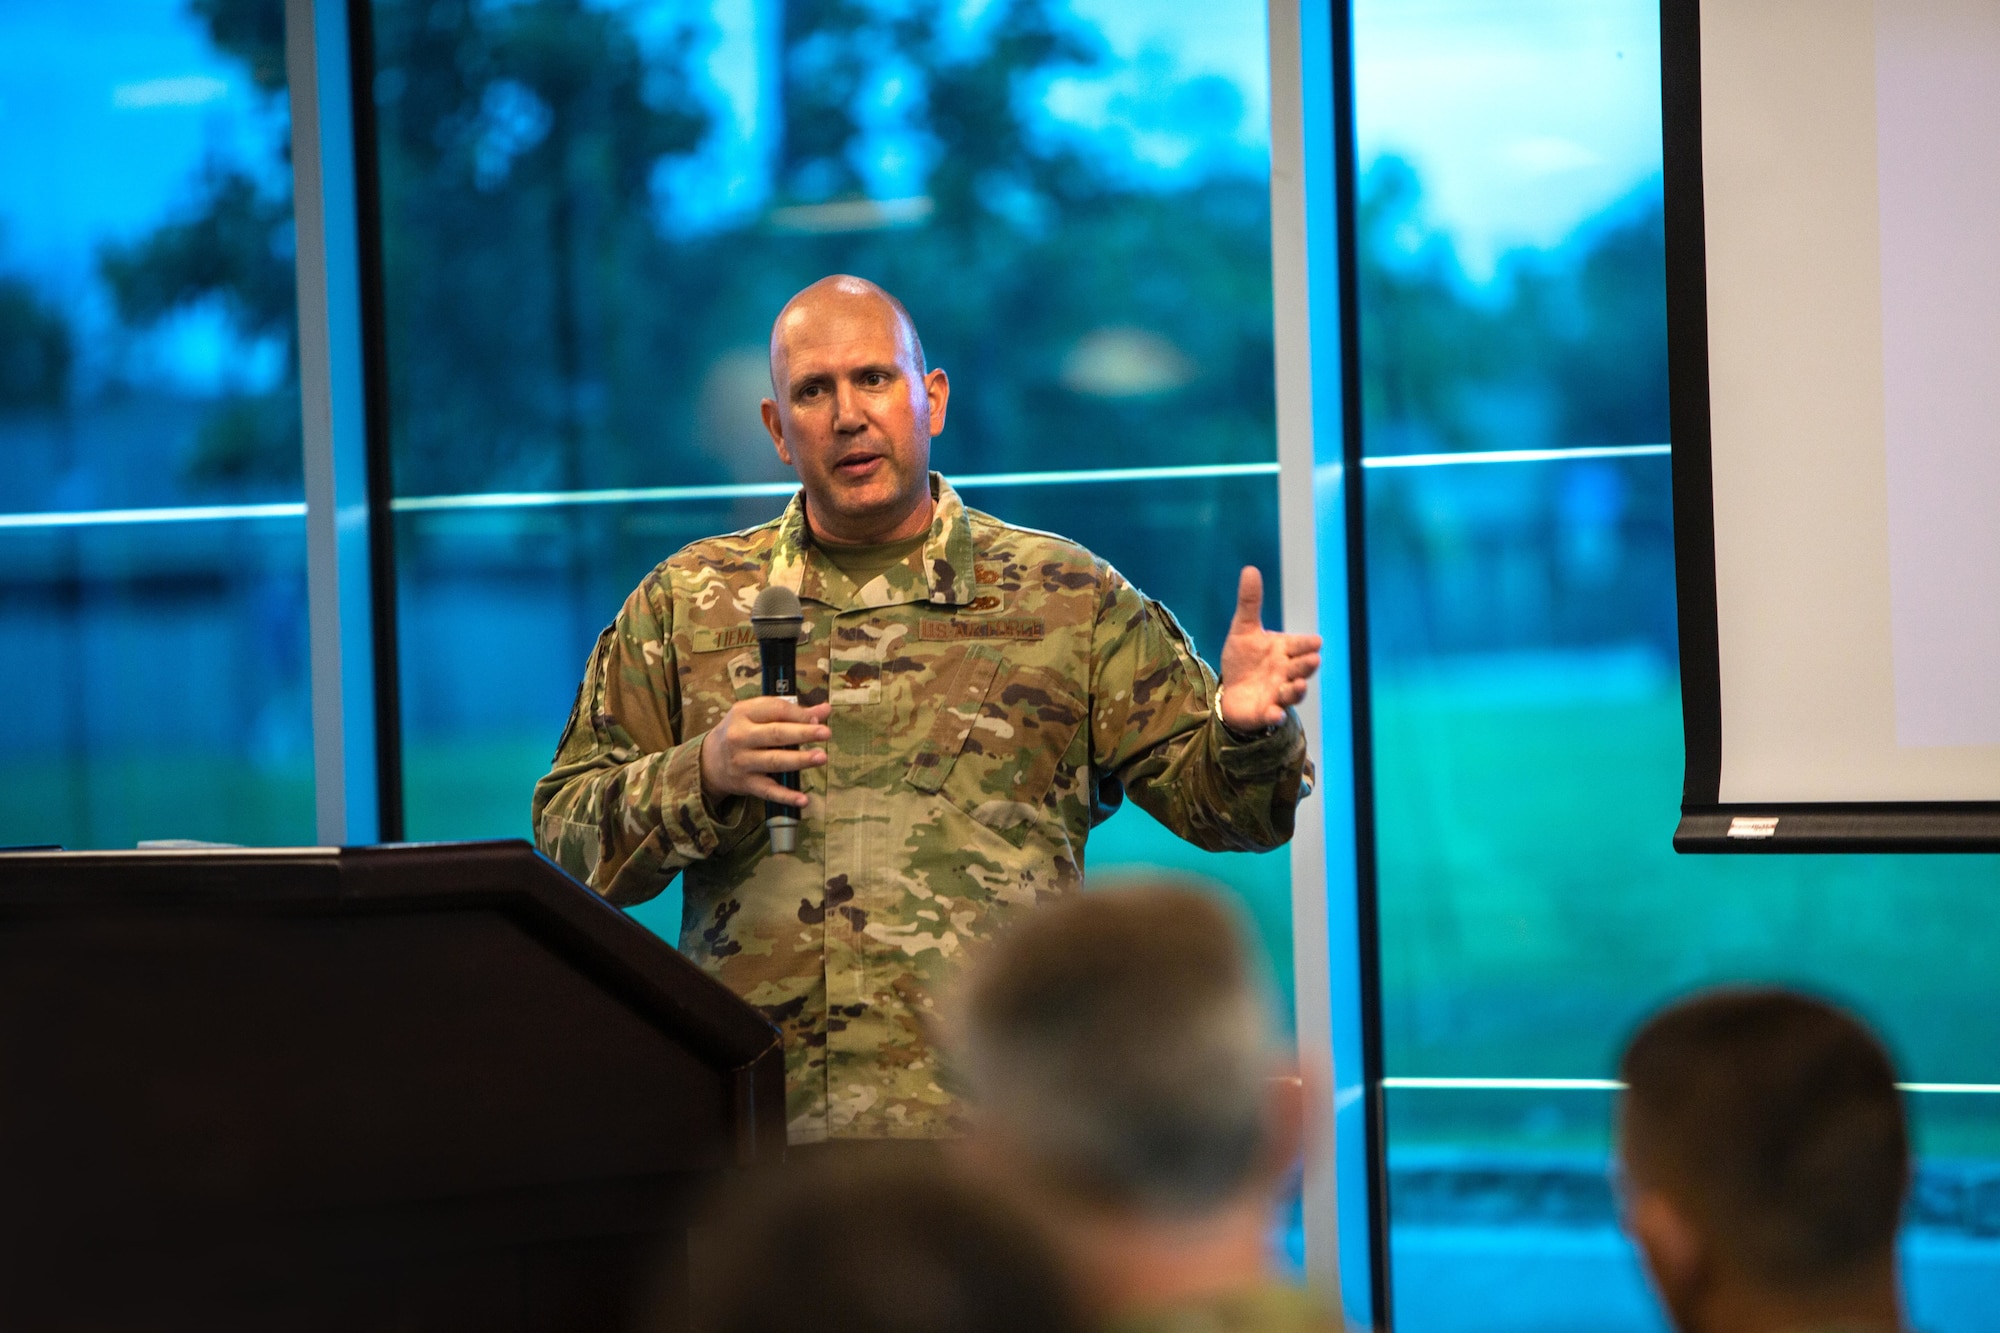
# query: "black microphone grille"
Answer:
x=777 y=613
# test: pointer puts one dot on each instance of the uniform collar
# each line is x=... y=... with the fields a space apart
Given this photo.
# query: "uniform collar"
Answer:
x=798 y=564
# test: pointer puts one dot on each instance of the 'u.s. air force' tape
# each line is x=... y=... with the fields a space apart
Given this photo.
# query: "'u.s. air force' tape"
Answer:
x=1000 y=627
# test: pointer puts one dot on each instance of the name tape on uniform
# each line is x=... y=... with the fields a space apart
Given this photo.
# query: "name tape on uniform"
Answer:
x=1002 y=627
x=735 y=636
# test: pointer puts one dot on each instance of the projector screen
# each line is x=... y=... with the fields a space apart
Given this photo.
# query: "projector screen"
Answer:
x=1833 y=265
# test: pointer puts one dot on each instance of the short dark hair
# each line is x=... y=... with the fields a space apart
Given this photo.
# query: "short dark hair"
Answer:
x=877 y=1246
x=1120 y=1039
x=1774 y=1120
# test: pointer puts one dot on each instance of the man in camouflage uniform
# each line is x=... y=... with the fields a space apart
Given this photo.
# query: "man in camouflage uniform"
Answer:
x=973 y=699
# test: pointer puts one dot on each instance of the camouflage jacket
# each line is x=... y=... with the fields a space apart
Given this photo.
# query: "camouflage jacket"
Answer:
x=993 y=699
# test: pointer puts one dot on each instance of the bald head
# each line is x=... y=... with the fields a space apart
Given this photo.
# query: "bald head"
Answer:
x=853 y=409
x=841 y=300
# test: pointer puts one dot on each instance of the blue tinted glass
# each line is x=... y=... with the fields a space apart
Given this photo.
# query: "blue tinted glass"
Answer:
x=1070 y=198
x=1527 y=725
x=152 y=540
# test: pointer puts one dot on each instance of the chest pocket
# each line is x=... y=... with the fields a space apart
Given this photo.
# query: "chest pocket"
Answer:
x=723 y=667
x=999 y=737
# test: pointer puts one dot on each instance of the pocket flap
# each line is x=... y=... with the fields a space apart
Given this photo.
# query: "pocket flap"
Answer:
x=960 y=710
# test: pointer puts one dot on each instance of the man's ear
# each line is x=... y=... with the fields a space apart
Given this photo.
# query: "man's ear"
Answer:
x=776 y=426
x=937 y=392
x=1674 y=1250
x=1286 y=1111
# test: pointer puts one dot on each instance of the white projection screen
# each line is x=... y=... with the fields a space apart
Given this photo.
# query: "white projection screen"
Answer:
x=1833 y=270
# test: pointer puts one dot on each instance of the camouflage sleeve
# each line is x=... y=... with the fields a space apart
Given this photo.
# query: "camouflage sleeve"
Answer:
x=622 y=807
x=1154 y=728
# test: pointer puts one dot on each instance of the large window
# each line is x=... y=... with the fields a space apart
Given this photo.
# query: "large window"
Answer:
x=591 y=214
x=152 y=532
x=1527 y=751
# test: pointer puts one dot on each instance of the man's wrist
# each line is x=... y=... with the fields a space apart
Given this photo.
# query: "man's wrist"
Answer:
x=1232 y=732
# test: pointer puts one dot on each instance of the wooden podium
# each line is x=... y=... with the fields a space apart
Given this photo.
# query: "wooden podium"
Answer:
x=423 y=1087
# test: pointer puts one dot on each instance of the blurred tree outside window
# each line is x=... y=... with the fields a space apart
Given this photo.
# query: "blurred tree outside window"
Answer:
x=148 y=363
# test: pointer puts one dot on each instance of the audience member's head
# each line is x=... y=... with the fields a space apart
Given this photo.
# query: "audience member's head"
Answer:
x=1118 y=1041
x=1122 y=1072
x=1765 y=1159
x=882 y=1247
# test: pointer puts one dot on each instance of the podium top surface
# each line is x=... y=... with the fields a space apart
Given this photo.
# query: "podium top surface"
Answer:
x=508 y=877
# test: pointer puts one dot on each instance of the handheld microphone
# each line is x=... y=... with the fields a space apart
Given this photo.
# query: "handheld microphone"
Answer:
x=778 y=619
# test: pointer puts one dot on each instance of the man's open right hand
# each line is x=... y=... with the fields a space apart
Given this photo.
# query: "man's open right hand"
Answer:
x=759 y=737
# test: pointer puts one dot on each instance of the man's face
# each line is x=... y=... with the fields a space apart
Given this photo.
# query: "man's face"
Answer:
x=855 y=417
